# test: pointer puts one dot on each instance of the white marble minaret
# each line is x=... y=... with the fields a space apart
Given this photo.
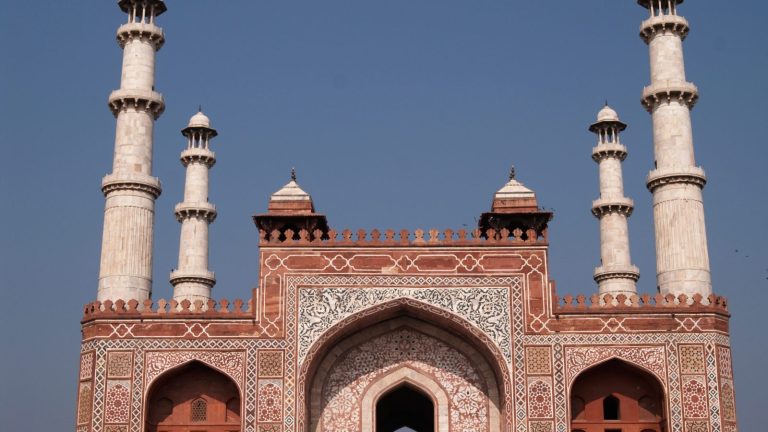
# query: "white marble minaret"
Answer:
x=192 y=280
x=616 y=274
x=130 y=190
x=682 y=260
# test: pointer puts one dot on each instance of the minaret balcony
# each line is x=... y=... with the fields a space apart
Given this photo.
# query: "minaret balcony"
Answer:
x=131 y=182
x=138 y=99
x=609 y=150
x=616 y=272
x=205 y=277
x=201 y=155
x=603 y=206
x=189 y=210
x=668 y=91
x=664 y=176
x=664 y=23
x=148 y=32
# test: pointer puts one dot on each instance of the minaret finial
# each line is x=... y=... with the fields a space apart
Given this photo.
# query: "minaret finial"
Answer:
x=512 y=173
x=200 y=108
x=293 y=174
x=606 y=102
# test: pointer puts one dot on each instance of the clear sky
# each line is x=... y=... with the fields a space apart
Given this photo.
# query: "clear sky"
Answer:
x=396 y=114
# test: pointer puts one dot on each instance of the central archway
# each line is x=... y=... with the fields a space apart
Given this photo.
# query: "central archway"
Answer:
x=361 y=370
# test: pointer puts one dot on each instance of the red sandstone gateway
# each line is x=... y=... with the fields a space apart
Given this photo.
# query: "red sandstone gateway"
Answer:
x=394 y=331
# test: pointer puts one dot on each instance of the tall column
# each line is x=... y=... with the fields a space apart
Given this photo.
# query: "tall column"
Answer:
x=616 y=274
x=130 y=190
x=682 y=259
x=192 y=280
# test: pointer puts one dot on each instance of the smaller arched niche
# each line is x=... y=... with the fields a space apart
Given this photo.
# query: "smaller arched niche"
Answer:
x=193 y=397
x=404 y=407
x=616 y=396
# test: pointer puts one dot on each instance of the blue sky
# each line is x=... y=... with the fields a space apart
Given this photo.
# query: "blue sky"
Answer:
x=396 y=114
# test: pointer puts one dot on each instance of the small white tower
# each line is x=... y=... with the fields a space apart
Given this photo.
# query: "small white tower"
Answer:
x=192 y=280
x=682 y=259
x=125 y=270
x=616 y=275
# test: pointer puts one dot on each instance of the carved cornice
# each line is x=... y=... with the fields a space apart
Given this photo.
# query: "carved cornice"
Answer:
x=688 y=175
x=140 y=100
x=601 y=207
x=603 y=273
x=604 y=151
x=664 y=24
x=669 y=91
x=140 y=31
x=206 y=157
x=206 y=277
x=203 y=210
x=131 y=182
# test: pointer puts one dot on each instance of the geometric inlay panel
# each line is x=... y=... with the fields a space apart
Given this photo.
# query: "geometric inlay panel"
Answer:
x=119 y=364
x=692 y=359
x=538 y=360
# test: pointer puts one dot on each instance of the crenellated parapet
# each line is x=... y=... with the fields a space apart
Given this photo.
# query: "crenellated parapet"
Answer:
x=642 y=304
x=167 y=308
x=418 y=237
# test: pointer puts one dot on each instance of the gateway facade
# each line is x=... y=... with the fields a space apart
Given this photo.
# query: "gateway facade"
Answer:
x=431 y=330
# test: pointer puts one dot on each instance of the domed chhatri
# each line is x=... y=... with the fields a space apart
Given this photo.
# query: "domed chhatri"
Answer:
x=199 y=120
x=607 y=114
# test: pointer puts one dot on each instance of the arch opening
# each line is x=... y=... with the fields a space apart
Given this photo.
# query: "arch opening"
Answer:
x=405 y=408
x=617 y=396
x=193 y=397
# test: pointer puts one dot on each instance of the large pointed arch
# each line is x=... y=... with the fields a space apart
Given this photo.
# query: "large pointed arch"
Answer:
x=480 y=346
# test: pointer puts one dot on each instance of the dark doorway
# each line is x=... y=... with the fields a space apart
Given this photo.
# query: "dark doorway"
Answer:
x=405 y=407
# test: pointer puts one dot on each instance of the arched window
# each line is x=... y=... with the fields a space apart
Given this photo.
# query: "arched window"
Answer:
x=198 y=411
x=611 y=408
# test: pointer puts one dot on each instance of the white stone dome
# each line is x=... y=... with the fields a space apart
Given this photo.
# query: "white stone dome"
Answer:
x=607 y=114
x=199 y=120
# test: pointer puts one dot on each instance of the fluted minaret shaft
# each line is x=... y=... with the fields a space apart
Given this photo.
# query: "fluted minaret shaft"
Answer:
x=616 y=274
x=130 y=190
x=192 y=280
x=682 y=259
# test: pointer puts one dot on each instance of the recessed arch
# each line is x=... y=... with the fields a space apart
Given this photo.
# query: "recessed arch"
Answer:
x=192 y=395
x=468 y=335
x=619 y=395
